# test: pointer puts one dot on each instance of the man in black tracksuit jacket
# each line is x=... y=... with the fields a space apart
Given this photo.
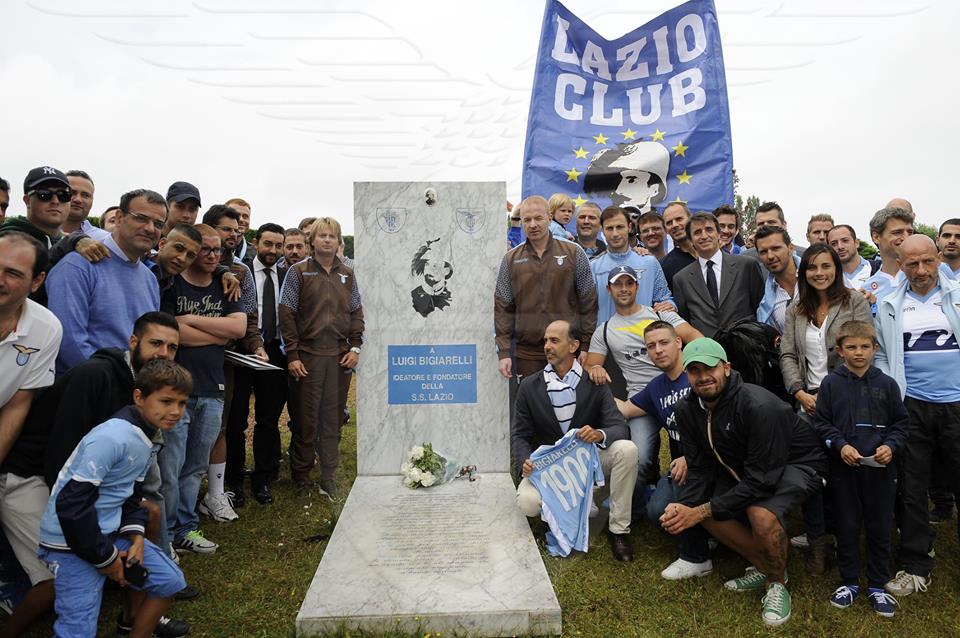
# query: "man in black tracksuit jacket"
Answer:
x=750 y=459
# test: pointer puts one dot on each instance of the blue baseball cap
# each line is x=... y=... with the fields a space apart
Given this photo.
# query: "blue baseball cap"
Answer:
x=621 y=271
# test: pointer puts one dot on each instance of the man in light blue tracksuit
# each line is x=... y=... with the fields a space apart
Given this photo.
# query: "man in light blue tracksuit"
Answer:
x=652 y=288
x=917 y=327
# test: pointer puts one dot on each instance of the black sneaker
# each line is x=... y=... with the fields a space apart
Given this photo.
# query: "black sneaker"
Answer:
x=941 y=513
x=239 y=498
x=166 y=627
x=187 y=593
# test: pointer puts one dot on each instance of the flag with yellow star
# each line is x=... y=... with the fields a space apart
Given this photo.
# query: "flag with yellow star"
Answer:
x=638 y=121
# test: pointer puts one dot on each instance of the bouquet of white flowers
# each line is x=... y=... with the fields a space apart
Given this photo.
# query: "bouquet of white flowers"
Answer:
x=424 y=467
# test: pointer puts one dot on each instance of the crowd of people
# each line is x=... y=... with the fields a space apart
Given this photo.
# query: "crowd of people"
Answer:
x=134 y=349
x=787 y=378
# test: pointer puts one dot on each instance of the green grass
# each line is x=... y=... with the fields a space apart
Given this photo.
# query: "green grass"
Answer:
x=255 y=582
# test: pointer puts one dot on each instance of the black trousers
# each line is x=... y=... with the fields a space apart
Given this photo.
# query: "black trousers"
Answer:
x=863 y=497
x=934 y=427
x=270 y=390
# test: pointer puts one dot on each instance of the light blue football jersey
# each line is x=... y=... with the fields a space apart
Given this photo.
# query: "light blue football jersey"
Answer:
x=565 y=474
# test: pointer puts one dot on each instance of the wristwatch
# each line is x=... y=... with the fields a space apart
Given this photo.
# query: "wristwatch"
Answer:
x=355 y=350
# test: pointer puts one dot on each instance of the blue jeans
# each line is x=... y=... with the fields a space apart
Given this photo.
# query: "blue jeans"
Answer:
x=79 y=586
x=645 y=434
x=691 y=543
x=184 y=459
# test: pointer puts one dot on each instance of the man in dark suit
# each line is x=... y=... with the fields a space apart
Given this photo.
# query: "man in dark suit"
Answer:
x=718 y=289
x=540 y=422
x=269 y=386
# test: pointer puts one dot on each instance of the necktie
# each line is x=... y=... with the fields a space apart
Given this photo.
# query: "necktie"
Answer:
x=269 y=308
x=712 y=284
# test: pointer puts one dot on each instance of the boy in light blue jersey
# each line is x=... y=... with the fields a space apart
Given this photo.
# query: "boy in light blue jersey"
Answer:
x=93 y=526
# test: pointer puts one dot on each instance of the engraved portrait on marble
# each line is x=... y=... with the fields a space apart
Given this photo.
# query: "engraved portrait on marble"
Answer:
x=431 y=273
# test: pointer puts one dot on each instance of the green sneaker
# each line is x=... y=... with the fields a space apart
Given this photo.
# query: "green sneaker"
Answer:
x=752 y=580
x=776 y=605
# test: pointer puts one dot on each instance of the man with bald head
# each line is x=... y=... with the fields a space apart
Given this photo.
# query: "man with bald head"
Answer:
x=899 y=202
x=917 y=327
x=558 y=400
x=540 y=280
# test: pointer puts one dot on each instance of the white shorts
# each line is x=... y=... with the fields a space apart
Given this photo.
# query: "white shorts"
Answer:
x=22 y=502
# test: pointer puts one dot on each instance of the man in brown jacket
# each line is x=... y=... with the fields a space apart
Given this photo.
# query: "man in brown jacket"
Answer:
x=321 y=322
x=540 y=281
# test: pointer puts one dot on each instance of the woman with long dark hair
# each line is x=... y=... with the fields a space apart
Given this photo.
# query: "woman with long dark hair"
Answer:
x=808 y=346
x=808 y=353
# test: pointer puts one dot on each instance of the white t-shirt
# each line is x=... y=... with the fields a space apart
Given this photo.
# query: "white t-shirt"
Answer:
x=815 y=352
x=28 y=353
x=624 y=339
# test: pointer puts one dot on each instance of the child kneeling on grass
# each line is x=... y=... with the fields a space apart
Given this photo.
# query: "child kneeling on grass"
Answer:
x=861 y=417
x=93 y=525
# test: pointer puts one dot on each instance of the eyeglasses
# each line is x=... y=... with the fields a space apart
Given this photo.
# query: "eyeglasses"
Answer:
x=141 y=219
x=206 y=251
x=45 y=195
x=229 y=229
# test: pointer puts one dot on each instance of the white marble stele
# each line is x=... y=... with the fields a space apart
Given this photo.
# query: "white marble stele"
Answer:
x=459 y=560
x=456 y=558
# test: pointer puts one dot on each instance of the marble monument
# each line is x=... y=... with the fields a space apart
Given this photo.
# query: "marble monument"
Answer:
x=457 y=558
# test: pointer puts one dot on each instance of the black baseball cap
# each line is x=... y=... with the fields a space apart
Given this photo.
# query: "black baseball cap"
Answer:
x=621 y=271
x=182 y=191
x=43 y=174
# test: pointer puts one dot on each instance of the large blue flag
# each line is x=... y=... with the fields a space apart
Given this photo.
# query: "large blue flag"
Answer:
x=641 y=120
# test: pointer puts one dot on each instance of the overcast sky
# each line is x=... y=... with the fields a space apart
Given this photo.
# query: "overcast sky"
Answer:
x=836 y=106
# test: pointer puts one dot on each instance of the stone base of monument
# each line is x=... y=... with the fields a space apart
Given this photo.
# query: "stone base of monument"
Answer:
x=457 y=559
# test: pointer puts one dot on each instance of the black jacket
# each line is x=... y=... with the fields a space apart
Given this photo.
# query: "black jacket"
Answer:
x=865 y=412
x=80 y=400
x=536 y=424
x=755 y=433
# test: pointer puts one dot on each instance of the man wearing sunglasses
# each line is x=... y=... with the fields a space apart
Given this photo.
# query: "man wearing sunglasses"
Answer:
x=46 y=195
x=99 y=303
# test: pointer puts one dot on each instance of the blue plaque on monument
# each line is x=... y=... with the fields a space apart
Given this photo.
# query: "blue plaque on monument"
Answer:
x=431 y=374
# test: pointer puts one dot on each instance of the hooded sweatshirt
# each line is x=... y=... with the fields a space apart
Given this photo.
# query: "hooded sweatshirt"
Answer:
x=755 y=433
x=865 y=412
x=81 y=399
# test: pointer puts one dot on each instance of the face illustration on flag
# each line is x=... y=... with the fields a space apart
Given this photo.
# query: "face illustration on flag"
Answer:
x=638 y=121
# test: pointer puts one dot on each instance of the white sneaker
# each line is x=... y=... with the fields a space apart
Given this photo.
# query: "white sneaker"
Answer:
x=681 y=569
x=904 y=584
x=174 y=556
x=800 y=541
x=219 y=508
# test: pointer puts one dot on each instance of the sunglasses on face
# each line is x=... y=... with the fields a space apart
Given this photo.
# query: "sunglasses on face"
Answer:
x=142 y=219
x=45 y=195
x=206 y=251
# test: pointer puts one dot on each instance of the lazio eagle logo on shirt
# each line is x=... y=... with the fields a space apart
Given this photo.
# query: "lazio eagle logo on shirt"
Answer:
x=23 y=353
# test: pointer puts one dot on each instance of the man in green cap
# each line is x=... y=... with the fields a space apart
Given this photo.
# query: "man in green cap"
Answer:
x=750 y=459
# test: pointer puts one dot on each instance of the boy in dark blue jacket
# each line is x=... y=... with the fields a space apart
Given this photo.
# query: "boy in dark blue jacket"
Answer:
x=862 y=420
x=93 y=527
